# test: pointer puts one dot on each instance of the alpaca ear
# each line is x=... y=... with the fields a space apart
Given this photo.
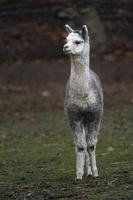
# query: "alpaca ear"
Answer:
x=69 y=29
x=84 y=32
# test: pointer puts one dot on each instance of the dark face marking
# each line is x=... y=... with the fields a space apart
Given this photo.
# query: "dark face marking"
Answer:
x=78 y=42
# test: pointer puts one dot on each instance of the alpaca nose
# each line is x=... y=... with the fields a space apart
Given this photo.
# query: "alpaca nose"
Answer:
x=65 y=48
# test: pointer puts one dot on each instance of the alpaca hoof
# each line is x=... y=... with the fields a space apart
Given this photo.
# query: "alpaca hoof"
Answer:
x=95 y=173
x=78 y=178
x=89 y=173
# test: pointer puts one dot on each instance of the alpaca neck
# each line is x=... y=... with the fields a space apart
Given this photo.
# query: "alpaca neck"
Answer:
x=80 y=63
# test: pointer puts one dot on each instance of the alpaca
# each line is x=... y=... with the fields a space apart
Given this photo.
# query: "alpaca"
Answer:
x=83 y=101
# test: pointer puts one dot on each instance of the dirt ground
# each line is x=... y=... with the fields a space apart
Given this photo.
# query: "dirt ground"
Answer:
x=37 y=159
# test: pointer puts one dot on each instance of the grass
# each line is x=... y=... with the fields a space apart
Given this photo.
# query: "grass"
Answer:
x=37 y=159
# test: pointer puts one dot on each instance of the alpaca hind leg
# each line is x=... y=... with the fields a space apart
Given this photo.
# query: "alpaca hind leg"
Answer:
x=91 y=135
x=88 y=165
x=92 y=155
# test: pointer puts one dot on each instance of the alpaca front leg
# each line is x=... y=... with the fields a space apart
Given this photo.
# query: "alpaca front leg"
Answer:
x=80 y=162
x=79 y=138
x=81 y=148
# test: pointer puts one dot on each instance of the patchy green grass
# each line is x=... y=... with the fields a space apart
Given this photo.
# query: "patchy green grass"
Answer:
x=37 y=159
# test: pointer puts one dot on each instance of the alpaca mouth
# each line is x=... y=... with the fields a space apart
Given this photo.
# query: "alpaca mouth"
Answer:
x=66 y=51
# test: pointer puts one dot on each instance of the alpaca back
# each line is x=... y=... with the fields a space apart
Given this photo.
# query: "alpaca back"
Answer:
x=95 y=85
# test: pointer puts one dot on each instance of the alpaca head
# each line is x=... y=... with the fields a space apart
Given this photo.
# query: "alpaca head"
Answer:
x=76 y=40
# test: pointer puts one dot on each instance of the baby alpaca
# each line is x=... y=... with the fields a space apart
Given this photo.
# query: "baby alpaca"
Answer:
x=83 y=102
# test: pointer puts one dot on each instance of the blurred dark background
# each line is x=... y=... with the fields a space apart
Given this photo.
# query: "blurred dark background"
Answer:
x=34 y=70
x=36 y=150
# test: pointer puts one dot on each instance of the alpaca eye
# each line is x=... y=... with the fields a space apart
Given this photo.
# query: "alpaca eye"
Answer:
x=77 y=42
